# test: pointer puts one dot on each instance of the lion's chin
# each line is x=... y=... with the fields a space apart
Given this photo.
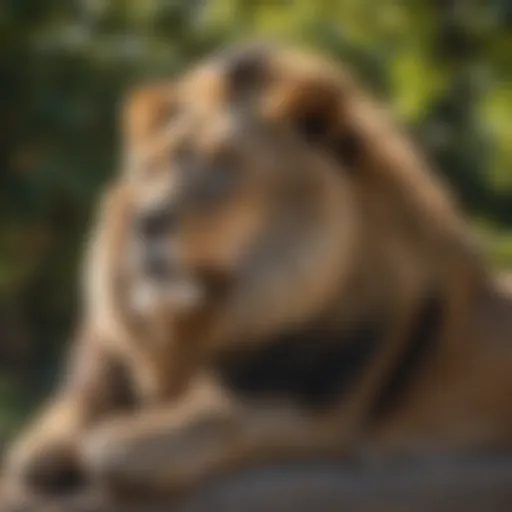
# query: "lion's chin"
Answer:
x=181 y=294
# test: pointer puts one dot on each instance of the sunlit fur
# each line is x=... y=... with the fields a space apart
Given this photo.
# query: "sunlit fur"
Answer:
x=333 y=219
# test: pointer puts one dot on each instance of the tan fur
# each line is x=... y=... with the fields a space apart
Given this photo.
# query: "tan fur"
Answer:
x=375 y=234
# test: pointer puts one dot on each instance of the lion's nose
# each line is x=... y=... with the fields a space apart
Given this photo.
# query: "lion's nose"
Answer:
x=154 y=224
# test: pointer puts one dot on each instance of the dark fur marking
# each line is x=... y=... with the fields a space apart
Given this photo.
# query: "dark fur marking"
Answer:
x=312 y=367
x=419 y=346
x=107 y=381
x=313 y=126
x=246 y=68
x=348 y=149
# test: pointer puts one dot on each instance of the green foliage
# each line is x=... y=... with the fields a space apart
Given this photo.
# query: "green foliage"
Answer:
x=445 y=67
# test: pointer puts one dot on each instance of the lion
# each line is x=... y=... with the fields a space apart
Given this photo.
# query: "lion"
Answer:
x=276 y=273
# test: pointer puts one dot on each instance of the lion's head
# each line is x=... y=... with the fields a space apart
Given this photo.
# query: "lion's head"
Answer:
x=264 y=190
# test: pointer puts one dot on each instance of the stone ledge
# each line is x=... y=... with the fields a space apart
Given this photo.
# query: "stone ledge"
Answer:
x=442 y=486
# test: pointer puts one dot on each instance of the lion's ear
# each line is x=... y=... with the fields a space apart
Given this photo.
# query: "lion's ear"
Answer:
x=317 y=110
x=146 y=109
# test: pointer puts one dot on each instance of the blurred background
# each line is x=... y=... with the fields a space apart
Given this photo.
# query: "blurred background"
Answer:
x=444 y=66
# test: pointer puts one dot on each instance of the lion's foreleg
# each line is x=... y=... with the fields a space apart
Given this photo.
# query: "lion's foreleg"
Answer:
x=167 y=451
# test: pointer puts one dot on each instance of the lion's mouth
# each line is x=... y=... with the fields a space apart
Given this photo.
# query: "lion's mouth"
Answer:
x=160 y=282
x=179 y=292
x=177 y=289
x=164 y=281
